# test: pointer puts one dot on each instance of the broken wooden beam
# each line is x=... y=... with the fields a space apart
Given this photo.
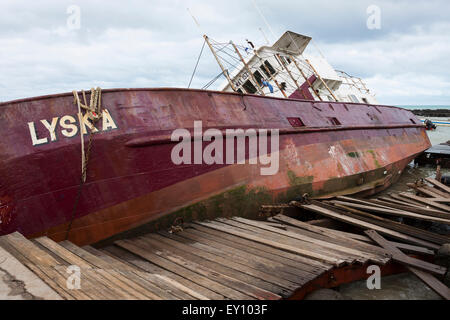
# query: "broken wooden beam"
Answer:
x=418 y=267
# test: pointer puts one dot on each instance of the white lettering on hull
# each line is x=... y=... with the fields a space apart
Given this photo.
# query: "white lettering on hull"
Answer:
x=69 y=127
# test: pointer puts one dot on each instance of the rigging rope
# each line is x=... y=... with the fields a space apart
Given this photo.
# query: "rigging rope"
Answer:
x=206 y=86
x=196 y=65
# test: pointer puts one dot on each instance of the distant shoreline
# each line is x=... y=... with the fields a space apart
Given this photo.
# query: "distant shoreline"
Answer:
x=439 y=113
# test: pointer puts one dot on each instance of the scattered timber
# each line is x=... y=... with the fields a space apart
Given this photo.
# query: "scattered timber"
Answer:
x=280 y=257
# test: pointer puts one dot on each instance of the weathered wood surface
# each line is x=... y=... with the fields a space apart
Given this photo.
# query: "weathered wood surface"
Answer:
x=237 y=258
x=367 y=225
x=223 y=259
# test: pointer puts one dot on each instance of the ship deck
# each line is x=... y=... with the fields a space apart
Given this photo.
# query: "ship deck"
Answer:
x=279 y=258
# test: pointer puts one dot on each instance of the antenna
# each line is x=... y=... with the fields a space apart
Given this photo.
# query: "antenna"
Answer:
x=193 y=18
x=264 y=18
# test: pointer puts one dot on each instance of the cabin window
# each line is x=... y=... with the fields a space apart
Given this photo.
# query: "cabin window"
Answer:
x=269 y=66
x=265 y=71
x=353 y=98
x=334 y=121
x=286 y=60
x=296 y=122
x=258 y=77
x=365 y=100
x=249 y=87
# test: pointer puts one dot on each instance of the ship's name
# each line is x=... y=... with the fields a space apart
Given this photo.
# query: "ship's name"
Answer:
x=68 y=126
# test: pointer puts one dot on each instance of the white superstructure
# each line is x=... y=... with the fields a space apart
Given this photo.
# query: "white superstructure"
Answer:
x=285 y=70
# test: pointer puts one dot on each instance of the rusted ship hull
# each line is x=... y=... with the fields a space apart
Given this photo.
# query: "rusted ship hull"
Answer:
x=325 y=148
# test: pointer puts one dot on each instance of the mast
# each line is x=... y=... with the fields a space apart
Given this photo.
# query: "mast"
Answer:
x=224 y=71
x=248 y=69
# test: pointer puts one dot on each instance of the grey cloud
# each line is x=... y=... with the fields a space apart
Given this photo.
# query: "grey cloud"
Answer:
x=141 y=43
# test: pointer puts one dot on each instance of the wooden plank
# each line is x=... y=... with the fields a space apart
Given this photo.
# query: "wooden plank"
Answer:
x=393 y=212
x=438 y=184
x=170 y=286
x=110 y=279
x=228 y=273
x=218 y=275
x=427 y=191
x=408 y=201
x=259 y=259
x=389 y=224
x=367 y=225
x=360 y=201
x=440 y=193
x=399 y=256
x=326 y=244
x=437 y=286
x=408 y=205
x=415 y=209
x=145 y=251
x=346 y=258
x=289 y=248
x=141 y=279
x=41 y=264
x=441 y=200
x=92 y=283
x=191 y=288
x=427 y=278
x=275 y=269
x=372 y=256
x=423 y=191
x=413 y=249
x=277 y=283
x=32 y=284
x=426 y=201
x=292 y=241
x=321 y=230
x=290 y=259
x=331 y=235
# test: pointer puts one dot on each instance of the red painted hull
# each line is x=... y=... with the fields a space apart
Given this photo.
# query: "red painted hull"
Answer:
x=131 y=179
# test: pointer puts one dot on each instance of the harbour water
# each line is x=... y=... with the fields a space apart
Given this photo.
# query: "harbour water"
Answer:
x=412 y=173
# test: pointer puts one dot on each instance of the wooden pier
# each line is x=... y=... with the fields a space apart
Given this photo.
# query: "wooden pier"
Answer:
x=436 y=155
x=279 y=258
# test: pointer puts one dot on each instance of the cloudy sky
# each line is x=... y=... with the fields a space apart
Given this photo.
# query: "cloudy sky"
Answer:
x=152 y=43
